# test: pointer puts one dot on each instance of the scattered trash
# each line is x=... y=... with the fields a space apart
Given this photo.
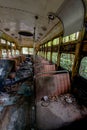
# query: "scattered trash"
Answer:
x=69 y=98
x=17 y=120
x=6 y=100
x=45 y=101
x=45 y=98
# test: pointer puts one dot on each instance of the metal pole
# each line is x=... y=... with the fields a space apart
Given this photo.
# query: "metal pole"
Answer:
x=34 y=44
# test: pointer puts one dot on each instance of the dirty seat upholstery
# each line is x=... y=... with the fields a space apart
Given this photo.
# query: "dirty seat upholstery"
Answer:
x=52 y=84
x=6 y=67
x=45 y=68
x=60 y=113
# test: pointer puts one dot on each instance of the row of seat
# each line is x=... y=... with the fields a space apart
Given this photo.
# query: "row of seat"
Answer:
x=48 y=81
x=52 y=83
x=14 y=70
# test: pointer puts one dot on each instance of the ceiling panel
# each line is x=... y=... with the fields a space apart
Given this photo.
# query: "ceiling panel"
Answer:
x=17 y=15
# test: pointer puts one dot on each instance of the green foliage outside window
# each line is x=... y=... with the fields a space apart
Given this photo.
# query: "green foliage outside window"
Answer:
x=71 y=37
x=48 y=55
x=54 y=57
x=49 y=43
x=41 y=54
x=56 y=41
x=83 y=68
x=66 y=61
x=45 y=55
x=66 y=39
x=45 y=44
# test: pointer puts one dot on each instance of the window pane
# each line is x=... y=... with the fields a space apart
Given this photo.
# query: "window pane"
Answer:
x=4 y=54
x=25 y=50
x=17 y=52
x=45 y=55
x=83 y=68
x=13 y=52
x=54 y=57
x=30 y=50
x=56 y=41
x=73 y=37
x=8 y=43
x=77 y=35
x=42 y=54
x=66 y=61
x=12 y=44
x=48 y=55
x=49 y=43
x=66 y=39
x=3 y=41
x=45 y=44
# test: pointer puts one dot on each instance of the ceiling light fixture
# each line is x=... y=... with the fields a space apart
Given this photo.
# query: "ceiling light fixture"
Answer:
x=51 y=16
x=25 y=33
x=7 y=29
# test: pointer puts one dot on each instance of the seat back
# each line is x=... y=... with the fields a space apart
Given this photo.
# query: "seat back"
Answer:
x=52 y=85
x=45 y=68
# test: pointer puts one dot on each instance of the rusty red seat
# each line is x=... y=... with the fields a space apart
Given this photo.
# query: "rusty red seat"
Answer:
x=52 y=84
x=55 y=114
x=45 y=68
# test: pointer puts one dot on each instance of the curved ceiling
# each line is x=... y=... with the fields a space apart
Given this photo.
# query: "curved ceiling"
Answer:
x=17 y=15
x=24 y=15
x=71 y=14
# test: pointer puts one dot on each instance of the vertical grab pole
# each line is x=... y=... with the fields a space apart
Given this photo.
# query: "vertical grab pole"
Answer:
x=34 y=44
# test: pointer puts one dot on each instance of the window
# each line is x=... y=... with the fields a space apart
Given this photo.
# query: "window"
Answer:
x=56 y=41
x=4 y=54
x=25 y=50
x=3 y=41
x=49 y=43
x=17 y=52
x=54 y=57
x=83 y=68
x=42 y=54
x=45 y=44
x=66 y=61
x=66 y=39
x=9 y=52
x=74 y=36
x=71 y=37
x=12 y=44
x=45 y=55
x=8 y=43
x=41 y=47
x=13 y=52
x=48 y=55
x=31 y=50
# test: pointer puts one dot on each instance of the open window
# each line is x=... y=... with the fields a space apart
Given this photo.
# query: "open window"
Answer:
x=83 y=68
x=66 y=61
